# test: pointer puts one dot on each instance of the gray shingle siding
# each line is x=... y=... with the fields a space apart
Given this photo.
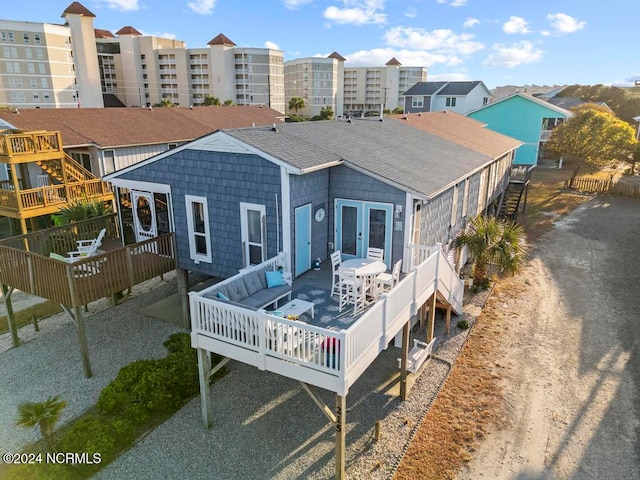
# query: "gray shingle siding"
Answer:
x=311 y=188
x=225 y=179
x=350 y=184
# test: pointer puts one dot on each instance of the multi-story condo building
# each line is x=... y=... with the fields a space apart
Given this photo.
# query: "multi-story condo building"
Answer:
x=318 y=81
x=45 y=66
x=367 y=88
x=145 y=70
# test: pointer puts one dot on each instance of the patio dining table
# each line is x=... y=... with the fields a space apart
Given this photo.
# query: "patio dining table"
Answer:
x=366 y=268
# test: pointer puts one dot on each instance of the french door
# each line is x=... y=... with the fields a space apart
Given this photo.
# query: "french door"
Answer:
x=360 y=225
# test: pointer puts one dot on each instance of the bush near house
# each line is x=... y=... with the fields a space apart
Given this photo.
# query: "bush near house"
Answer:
x=143 y=395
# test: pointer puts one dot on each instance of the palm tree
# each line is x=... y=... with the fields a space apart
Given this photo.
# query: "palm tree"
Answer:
x=44 y=415
x=493 y=241
x=296 y=103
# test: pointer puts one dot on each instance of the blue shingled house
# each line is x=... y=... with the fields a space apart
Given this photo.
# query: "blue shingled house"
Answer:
x=244 y=202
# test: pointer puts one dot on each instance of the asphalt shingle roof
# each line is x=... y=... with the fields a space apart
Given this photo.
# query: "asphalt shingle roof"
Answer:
x=424 y=88
x=462 y=130
x=412 y=159
x=113 y=127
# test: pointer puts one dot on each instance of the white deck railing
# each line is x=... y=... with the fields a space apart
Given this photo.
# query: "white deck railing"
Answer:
x=329 y=359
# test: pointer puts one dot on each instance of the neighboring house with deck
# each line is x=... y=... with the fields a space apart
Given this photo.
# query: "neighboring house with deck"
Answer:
x=254 y=199
x=103 y=140
x=526 y=118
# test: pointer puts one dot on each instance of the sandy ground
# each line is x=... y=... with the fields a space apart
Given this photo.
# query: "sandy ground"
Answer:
x=571 y=335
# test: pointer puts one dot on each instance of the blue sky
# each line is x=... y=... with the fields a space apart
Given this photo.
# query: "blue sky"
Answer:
x=499 y=42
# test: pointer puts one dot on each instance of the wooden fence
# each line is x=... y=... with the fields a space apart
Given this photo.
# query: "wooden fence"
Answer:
x=593 y=185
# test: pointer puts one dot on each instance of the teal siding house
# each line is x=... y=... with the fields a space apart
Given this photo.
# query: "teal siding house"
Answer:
x=524 y=117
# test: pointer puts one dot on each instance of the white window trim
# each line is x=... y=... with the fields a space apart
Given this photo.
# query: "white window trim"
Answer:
x=193 y=253
x=244 y=208
x=417 y=102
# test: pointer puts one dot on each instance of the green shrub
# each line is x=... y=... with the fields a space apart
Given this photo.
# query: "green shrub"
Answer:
x=463 y=324
x=179 y=342
x=146 y=388
x=96 y=433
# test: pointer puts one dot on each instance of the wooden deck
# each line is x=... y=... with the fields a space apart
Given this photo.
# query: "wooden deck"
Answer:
x=25 y=263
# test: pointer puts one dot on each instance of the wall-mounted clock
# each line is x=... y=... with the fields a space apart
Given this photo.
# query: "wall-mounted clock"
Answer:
x=320 y=214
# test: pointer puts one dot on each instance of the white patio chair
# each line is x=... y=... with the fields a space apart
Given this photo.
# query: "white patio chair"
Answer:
x=87 y=248
x=336 y=261
x=352 y=290
x=386 y=281
x=375 y=254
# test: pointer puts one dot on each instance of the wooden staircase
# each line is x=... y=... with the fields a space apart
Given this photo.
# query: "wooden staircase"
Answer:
x=57 y=169
x=510 y=201
x=513 y=195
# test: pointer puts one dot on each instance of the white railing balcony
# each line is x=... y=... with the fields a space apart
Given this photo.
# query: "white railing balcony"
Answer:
x=328 y=359
x=544 y=135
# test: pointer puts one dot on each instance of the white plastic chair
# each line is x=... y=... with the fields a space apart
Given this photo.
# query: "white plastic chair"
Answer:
x=351 y=290
x=336 y=261
x=375 y=254
x=87 y=248
x=388 y=280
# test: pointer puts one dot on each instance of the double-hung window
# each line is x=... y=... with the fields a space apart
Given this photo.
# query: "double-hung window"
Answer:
x=198 y=228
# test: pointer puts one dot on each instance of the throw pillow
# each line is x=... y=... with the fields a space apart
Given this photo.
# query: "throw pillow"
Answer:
x=274 y=279
x=222 y=296
x=55 y=256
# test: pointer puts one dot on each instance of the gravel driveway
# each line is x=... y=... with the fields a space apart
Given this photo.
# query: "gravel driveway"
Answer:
x=572 y=341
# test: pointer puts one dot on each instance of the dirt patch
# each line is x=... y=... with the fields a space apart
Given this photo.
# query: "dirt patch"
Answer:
x=546 y=386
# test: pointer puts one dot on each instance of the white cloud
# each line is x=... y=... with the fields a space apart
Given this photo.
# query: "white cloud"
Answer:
x=450 y=77
x=440 y=41
x=409 y=58
x=563 y=23
x=271 y=45
x=172 y=36
x=454 y=3
x=513 y=55
x=203 y=7
x=411 y=12
x=357 y=12
x=295 y=4
x=470 y=22
x=516 y=25
x=124 y=5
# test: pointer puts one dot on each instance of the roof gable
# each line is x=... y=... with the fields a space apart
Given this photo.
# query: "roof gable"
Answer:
x=76 y=8
x=128 y=30
x=221 y=39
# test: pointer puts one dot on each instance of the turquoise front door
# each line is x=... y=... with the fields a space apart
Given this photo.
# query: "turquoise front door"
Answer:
x=360 y=225
x=303 y=239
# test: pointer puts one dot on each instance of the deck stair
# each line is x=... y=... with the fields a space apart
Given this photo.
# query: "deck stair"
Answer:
x=510 y=202
x=418 y=355
x=74 y=171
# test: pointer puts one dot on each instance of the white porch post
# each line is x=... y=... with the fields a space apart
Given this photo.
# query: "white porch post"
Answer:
x=204 y=367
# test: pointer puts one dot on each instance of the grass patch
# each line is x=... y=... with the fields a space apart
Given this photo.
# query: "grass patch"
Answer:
x=472 y=401
x=23 y=317
x=546 y=201
x=144 y=394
